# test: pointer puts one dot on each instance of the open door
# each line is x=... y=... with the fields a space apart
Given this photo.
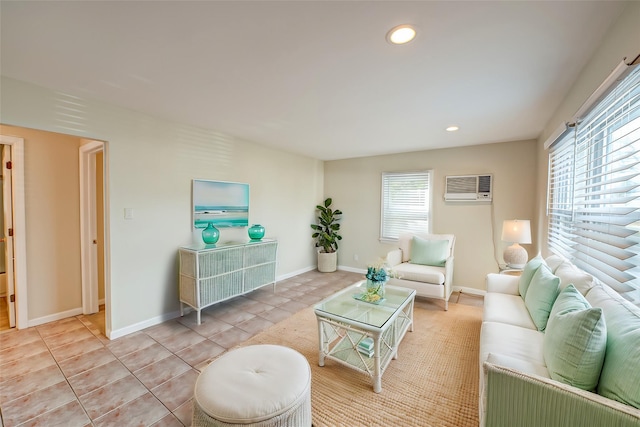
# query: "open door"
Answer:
x=18 y=240
x=92 y=229
x=88 y=227
x=7 y=202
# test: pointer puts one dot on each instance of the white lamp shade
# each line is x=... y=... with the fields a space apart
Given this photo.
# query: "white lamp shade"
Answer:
x=516 y=231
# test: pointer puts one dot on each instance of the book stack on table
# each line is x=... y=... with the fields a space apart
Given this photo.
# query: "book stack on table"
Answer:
x=365 y=346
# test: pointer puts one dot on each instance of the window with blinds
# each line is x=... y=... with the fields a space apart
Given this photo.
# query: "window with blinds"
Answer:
x=406 y=204
x=560 y=197
x=594 y=190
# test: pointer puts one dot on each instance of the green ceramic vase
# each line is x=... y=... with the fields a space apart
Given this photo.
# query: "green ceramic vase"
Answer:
x=210 y=235
x=256 y=232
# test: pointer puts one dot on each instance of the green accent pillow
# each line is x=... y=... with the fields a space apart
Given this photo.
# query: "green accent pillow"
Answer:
x=541 y=295
x=575 y=340
x=429 y=252
x=620 y=376
x=530 y=269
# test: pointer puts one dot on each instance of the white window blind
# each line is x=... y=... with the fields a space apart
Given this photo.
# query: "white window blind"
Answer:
x=406 y=203
x=594 y=190
x=560 y=197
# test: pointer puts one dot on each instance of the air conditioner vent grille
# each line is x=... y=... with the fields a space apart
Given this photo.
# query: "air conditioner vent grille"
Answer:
x=469 y=188
x=461 y=184
x=484 y=184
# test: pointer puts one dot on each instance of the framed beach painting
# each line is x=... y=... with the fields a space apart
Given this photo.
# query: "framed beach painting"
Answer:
x=223 y=204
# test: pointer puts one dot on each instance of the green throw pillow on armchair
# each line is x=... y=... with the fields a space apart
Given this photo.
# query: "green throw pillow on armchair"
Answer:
x=429 y=252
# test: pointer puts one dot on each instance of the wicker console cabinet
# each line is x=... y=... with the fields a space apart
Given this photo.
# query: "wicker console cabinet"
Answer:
x=210 y=274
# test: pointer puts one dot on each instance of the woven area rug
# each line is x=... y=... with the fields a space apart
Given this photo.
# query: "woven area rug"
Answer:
x=434 y=381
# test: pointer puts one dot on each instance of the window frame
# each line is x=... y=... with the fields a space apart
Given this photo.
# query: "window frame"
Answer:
x=599 y=232
x=427 y=207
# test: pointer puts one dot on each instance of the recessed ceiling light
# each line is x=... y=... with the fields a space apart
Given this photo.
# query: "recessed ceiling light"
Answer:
x=452 y=128
x=401 y=34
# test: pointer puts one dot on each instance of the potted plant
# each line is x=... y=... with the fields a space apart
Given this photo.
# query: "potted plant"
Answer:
x=326 y=234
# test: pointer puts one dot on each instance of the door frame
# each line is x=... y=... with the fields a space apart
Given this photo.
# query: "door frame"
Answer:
x=7 y=209
x=88 y=250
x=19 y=229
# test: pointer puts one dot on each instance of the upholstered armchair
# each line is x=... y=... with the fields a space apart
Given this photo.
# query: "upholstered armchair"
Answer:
x=424 y=262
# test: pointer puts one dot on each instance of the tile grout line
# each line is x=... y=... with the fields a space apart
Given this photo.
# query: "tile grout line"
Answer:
x=239 y=306
x=65 y=380
x=148 y=390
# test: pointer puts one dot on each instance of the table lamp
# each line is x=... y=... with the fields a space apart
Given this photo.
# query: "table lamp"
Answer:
x=516 y=231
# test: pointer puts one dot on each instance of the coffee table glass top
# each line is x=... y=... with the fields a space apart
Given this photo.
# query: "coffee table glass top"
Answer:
x=344 y=305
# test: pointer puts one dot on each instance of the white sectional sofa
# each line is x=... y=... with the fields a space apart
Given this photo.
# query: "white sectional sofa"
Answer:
x=424 y=262
x=578 y=366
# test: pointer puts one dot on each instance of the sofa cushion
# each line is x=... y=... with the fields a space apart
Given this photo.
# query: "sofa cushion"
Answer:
x=575 y=340
x=429 y=252
x=503 y=284
x=620 y=376
x=420 y=273
x=554 y=261
x=529 y=270
x=513 y=341
x=569 y=273
x=541 y=295
x=505 y=308
x=521 y=365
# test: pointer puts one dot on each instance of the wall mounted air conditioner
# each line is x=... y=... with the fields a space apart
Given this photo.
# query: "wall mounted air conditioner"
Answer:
x=468 y=188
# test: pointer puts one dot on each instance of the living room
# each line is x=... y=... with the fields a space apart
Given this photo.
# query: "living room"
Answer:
x=175 y=153
x=141 y=251
x=151 y=160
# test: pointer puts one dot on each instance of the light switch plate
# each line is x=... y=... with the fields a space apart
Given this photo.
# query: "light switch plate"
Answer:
x=128 y=213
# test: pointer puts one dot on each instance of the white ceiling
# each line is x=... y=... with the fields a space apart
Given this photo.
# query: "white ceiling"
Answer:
x=315 y=77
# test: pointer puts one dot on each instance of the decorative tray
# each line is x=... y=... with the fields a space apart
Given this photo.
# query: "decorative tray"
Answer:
x=365 y=298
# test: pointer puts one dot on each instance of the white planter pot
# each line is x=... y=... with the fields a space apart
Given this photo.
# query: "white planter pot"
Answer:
x=327 y=262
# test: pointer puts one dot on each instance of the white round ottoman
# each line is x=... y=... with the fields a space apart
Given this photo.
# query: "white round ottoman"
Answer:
x=259 y=385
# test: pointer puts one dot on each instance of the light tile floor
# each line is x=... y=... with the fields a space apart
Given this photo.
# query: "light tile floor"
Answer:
x=68 y=373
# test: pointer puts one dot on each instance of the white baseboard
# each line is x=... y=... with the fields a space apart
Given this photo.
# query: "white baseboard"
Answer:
x=313 y=267
x=117 y=333
x=295 y=273
x=472 y=291
x=54 y=317
x=57 y=316
x=352 y=269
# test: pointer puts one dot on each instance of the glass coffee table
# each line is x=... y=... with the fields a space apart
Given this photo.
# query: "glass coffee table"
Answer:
x=346 y=324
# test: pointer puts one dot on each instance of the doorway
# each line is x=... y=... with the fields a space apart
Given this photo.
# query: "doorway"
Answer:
x=88 y=151
x=7 y=284
x=13 y=235
x=95 y=296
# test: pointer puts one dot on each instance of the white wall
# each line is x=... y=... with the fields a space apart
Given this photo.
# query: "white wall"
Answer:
x=622 y=41
x=354 y=185
x=151 y=163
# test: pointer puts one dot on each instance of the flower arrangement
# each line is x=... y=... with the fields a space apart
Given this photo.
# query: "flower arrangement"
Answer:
x=379 y=272
x=377 y=275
